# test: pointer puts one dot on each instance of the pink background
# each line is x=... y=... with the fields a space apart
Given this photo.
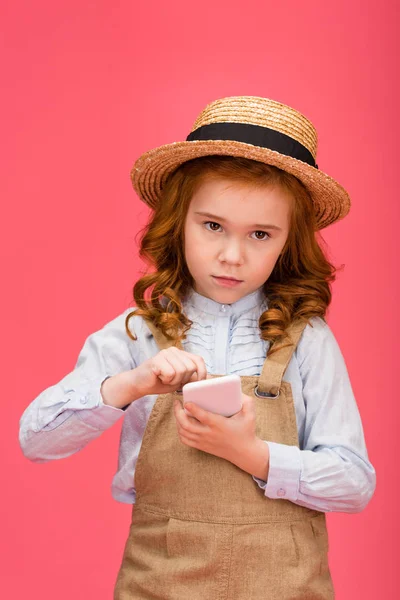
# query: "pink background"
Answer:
x=89 y=86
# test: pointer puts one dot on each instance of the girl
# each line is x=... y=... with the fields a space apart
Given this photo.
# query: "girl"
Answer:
x=224 y=507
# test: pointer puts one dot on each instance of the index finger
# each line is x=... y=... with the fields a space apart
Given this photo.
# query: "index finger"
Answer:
x=201 y=367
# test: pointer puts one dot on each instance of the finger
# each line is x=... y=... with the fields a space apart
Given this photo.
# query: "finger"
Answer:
x=169 y=370
x=186 y=422
x=205 y=417
x=201 y=368
x=190 y=437
x=189 y=432
x=184 y=367
x=190 y=366
x=178 y=410
x=162 y=368
x=188 y=442
x=248 y=405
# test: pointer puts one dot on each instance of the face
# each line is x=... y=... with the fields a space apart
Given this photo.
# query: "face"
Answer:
x=234 y=230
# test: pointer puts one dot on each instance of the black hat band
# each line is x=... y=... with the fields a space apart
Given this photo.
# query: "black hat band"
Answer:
x=256 y=135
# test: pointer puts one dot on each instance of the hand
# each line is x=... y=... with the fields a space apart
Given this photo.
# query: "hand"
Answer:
x=232 y=438
x=168 y=371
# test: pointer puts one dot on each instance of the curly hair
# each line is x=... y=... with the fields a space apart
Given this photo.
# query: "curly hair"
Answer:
x=299 y=286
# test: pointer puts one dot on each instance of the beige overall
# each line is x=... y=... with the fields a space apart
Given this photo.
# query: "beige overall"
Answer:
x=201 y=527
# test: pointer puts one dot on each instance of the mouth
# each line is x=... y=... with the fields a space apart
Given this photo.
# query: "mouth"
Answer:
x=226 y=281
x=227 y=278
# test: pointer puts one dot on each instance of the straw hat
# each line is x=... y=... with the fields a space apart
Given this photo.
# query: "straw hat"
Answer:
x=251 y=127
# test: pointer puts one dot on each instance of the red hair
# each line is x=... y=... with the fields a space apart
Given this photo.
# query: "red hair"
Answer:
x=299 y=285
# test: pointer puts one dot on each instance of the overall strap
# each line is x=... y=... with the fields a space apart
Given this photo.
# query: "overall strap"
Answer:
x=274 y=367
x=161 y=341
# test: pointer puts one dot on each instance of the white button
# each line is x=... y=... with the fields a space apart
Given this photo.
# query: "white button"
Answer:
x=281 y=492
x=84 y=400
x=225 y=308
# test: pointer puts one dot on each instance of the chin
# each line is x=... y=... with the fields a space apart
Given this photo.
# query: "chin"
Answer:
x=227 y=296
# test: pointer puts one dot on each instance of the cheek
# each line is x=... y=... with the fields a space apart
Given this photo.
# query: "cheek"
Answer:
x=266 y=260
x=190 y=245
x=193 y=242
x=194 y=239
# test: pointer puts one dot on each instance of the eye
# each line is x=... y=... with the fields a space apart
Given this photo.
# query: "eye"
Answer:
x=264 y=233
x=261 y=239
x=212 y=223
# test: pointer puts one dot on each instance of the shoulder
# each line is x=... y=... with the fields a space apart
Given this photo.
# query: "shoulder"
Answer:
x=317 y=341
x=135 y=324
x=117 y=327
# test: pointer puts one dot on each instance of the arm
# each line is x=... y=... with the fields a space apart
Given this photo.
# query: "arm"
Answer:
x=66 y=416
x=332 y=471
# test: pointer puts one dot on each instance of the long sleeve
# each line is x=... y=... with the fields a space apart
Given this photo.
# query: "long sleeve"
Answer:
x=331 y=471
x=66 y=416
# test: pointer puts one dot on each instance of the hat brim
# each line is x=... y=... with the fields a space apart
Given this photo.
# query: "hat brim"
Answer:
x=151 y=169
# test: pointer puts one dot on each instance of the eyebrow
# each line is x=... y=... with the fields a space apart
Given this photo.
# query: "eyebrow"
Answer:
x=210 y=216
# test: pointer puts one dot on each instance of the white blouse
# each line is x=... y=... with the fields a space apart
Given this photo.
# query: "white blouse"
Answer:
x=329 y=472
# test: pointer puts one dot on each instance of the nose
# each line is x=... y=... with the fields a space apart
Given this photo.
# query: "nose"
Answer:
x=231 y=252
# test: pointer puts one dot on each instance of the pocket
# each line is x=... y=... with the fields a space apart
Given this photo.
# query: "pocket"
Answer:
x=320 y=533
x=191 y=540
x=197 y=558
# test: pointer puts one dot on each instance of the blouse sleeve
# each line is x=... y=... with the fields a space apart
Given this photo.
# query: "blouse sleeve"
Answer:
x=331 y=472
x=66 y=416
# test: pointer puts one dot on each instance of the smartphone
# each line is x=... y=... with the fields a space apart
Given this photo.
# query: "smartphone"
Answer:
x=220 y=395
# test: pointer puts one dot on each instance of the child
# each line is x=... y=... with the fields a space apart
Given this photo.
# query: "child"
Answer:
x=224 y=507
